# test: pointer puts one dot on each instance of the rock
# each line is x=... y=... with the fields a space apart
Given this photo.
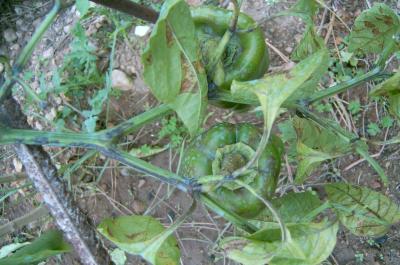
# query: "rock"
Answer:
x=17 y=165
x=48 y=53
x=1 y=68
x=141 y=30
x=141 y=183
x=36 y=22
x=9 y=35
x=126 y=172
x=139 y=206
x=18 y=10
x=121 y=80
x=67 y=28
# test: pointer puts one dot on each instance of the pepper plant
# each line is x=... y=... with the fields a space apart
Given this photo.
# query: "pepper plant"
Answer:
x=209 y=55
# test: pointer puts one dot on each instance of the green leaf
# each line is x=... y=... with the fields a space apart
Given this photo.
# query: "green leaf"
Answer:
x=144 y=236
x=374 y=30
x=294 y=207
x=82 y=6
x=309 y=44
x=390 y=89
x=363 y=211
x=309 y=159
x=305 y=9
x=172 y=65
x=8 y=249
x=273 y=90
x=146 y=151
x=310 y=244
x=47 y=245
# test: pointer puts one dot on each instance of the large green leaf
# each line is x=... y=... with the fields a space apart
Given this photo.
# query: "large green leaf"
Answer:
x=144 y=236
x=309 y=244
x=374 y=30
x=294 y=208
x=363 y=211
x=172 y=65
x=47 y=245
x=273 y=90
x=391 y=89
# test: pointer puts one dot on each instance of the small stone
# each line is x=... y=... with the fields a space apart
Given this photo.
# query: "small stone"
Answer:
x=121 y=80
x=141 y=183
x=1 y=68
x=9 y=35
x=17 y=165
x=289 y=49
x=67 y=28
x=48 y=53
x=18 y=10
x=19 y=23
x=15 y=47
x=139 y=206
x=141 y=30
x=51 y=115
x=20 y=35
x=126 y=172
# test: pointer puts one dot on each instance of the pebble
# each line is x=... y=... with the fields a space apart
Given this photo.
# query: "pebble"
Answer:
x=126 y=172
x=48 y=53
x=121 y=80
x=17 y=165
x=1 y=68
x=36 y=22
x=141 y=30
x=9 y=35
x=67 y=28
x=141 y=183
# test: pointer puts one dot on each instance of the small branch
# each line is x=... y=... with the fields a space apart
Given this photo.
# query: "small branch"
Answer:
x=130 y=8
x=22 y=221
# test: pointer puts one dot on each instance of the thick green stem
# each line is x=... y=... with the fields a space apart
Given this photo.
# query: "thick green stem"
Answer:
x=228 y=215
x=343 y=86
x=99 y=142
x=136 y=122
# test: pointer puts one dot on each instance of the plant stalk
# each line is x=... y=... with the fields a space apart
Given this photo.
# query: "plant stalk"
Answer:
x=345 y=85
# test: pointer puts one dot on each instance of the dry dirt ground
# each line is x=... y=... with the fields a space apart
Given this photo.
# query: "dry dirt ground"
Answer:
x=123 y=191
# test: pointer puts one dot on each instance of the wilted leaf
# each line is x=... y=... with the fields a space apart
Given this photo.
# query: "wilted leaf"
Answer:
x=273 y=90
x=363 y=211
x=172 y=65
x=144 y=236
x=293 y=208
x=309 y=44
x=47 y=245
x=309 y=244
x=374 y=30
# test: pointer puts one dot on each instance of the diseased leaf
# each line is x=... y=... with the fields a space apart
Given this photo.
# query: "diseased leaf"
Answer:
x=273 y=90
x=363 y=211
x=309 y=159
x=315 y=145
x=294 y=208
x=47 y=245
x=309 y=44
x=172 y=65
x=305 y=9
x=390 y=89
x=144 y=236
x=309 y=244
x=374 y=30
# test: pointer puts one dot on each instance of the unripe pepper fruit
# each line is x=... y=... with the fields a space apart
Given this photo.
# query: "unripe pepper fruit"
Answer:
x=225 y=142
x=246 y=57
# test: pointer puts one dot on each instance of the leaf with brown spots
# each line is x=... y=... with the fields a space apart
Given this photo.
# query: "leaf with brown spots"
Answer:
x=363 y=211
x=172 y=67
x=374 y=30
